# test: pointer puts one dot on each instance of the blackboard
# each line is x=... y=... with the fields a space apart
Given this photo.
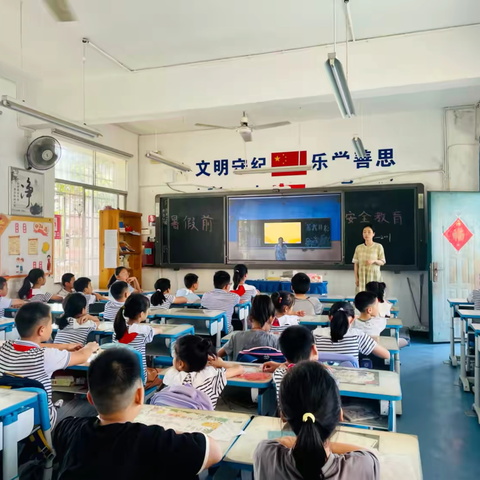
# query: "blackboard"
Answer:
x=192 y=230
x=393 y=212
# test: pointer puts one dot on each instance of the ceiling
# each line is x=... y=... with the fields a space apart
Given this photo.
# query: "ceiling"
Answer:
x=154 y=33
x=307 y=109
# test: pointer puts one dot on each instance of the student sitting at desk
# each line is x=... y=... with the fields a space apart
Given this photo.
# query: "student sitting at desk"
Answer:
x=369 y=321
x=7 y=302
x=261 y=316
x=68 y=279
x=113 y=445
x=119 y=292
x=221 y=298
x=474 y=298
x=75 y=324
x=83 y=285
x=284 y=314
x=240 y=274
x=122 y=275
x=33 y=288
x=340 y=338
x=191 y=286
x=129 y=330
x=28 y=357
x=195 y=364
x=300 y=287
x=162 y=298
x=310 y=403
x=378 y=288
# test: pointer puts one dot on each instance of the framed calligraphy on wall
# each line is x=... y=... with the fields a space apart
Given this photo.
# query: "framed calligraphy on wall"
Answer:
x=27 y=192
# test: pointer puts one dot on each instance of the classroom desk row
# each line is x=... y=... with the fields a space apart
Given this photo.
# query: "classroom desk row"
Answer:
x=239 y=434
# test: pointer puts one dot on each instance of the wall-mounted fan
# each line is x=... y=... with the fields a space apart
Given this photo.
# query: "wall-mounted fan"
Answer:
x=245 y=130
x=43 y=153
x=61 y=10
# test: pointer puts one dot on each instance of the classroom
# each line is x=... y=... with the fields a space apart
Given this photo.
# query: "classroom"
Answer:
x=242 y=234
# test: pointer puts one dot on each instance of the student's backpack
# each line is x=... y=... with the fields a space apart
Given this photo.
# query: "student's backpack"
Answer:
x=182 y=396
x=261 y=355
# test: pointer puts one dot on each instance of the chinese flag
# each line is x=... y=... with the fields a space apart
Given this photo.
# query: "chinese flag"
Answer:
x=289 y=159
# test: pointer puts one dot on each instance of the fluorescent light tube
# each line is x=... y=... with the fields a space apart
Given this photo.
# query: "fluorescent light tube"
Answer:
x=358 y=145
x=253 y=171
x=165 y=161
x=340 y=88
x=22 y=107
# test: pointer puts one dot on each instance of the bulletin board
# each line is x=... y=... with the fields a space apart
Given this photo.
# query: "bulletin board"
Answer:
x=25 y=243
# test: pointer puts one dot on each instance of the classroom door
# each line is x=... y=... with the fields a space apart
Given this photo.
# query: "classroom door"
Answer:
x=454 y=253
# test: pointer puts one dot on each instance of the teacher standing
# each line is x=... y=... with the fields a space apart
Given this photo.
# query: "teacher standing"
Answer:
x=368 y=259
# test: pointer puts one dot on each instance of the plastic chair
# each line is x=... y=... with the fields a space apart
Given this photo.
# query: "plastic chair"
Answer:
x=261 y=355
x=338 y=359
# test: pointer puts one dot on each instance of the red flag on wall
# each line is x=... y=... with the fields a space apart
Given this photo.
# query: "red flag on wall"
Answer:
x=289 y=159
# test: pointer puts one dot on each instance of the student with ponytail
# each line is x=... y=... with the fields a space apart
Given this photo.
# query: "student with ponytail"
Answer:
x=310 y=403
x=285 y=316
x=130 y=331
x=122 y=274
x=240 y=274
x=340 y=338
x=162 y=298
x=32 y=288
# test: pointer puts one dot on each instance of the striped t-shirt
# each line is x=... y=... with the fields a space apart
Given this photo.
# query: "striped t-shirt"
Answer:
x=221 y=300
x=74 y=332
x=27 y=359
x=353 y=343
x=111 y=309
x=4 y=303
x=38 y=295
x=210 y=381
x=137 y=337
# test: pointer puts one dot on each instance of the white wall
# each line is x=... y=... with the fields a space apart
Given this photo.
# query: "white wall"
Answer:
x=416 y=137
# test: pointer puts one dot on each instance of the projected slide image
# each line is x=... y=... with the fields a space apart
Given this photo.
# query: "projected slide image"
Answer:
x=289 y=232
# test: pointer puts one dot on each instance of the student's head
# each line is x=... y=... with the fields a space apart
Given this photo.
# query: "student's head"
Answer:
x=83 y=285
x=34 y=320
x=191 y=353
x=297 y=344
x=239 y=274
x=162 y=288
x=121 y=273
x=367 y=304
x=378 y=288
x=341 y=316
x=191 y=281
x=301 y=283
x=368 y=232
x=283 y=302
x=120 y=291
x=3 y=287
x=263 y=311
x=221 y=280
x=68 y=279
x=35 y=278
x=74 y=306
x=280 y=240
x=115 y=383
x=310 y=403
x=135 y=309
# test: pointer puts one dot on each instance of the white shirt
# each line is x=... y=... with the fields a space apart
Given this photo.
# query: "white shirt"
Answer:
x=373 y=327
x=384 y=309
x=284 y=322
x=4 y=303
x=191 y=296
x=250 y=292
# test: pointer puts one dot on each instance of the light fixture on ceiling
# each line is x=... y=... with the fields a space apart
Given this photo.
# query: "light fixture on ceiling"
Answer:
x=337 y=77
x=253 y=171
x=157 y=157
x=358 y=145
x=22 y=107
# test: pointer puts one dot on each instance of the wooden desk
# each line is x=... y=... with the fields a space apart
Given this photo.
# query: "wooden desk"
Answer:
x=455 y=304
x=224 y=427
x=240 y=456
x=465 y=316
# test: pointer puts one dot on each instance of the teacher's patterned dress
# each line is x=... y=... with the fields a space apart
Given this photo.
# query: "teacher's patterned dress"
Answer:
x=368 y=273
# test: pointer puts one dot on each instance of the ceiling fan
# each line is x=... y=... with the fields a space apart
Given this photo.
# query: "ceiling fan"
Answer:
x=245 y=130
x=61 y=10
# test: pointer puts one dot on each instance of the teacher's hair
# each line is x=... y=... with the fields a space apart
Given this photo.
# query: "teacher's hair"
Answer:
x=368 y=225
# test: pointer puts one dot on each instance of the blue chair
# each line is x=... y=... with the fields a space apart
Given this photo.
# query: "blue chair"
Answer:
x=338 y=360
x=261 y=355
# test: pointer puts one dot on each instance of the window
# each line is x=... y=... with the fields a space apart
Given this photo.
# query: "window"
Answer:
x=86 y=182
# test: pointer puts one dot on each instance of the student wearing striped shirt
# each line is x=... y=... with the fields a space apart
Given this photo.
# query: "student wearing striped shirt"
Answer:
x=33 y=288
x=68 y=279
x=285 y=316
x=29 y=357
x=162 y=297
x=75 y=324
x=83 y=285
x=195 y=364
x=340 y=338
x=123 y=275
x=130 y=330
x=119 y=292
x=221 y=298
x=240 y=275
x=7 y=302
